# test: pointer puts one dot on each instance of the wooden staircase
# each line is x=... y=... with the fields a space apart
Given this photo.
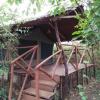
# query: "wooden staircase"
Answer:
x=46 y=78
x=46 y=88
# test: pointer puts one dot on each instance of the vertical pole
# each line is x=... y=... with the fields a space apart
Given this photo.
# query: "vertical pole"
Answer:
x=37 y=71
x=94 y=69
x=76 y=65
x=37 y=84
x=11 y=82
x=61 y=87
x=71 y=81
x=82 y=76
x=86 y=73
x=26 y=76
x=39 y=52
x=64 y=58
x=89 y=72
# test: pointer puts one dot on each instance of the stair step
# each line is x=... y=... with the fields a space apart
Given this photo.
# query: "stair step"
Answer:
x=29 y=97
x=46 y=82
x=45 y=77
x=45 y=85
x=43 y=94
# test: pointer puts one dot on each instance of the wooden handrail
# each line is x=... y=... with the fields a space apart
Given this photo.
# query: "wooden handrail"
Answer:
x=35 y=47
x=81 y=58
x=58 y=59
x=26 y=76
x=37 y=69
x=39 y=65
x=70 y=55
x=89 y=54
x=73 y=45
x=24 y=47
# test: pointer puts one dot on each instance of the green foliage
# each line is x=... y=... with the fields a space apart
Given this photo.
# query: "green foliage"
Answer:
x=75 y=1
x=3 y=94
x=89 y=25
x=14 y=1
x=4 y=70
x=3 y=89
x=6 y=16
x=57 y=8
x=81 y=92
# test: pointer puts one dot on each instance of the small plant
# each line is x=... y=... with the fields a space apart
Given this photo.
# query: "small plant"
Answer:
x=3 y=94
x=3 y=81
x=82 y=92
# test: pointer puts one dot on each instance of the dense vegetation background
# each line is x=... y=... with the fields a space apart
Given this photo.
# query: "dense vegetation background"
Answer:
x=89 y=26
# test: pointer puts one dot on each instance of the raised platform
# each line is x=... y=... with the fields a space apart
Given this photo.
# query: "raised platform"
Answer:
x=60 y=70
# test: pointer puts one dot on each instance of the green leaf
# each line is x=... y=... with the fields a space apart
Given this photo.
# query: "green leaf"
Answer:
x=80 y=86
x=84 y=98
x=81 y=94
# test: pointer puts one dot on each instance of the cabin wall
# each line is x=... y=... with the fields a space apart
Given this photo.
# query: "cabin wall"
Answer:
x=46 y=48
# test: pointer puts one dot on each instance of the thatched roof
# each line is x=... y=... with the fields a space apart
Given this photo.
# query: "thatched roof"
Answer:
x=45 y=27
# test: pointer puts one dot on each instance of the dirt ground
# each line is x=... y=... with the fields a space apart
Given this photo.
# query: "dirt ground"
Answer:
x=92 y=91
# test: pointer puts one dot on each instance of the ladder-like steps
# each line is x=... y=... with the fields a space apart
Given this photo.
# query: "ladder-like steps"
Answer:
x=31 y=92
x=46 y=88
x=29 y=97
x=45 y=85
x=43 y=76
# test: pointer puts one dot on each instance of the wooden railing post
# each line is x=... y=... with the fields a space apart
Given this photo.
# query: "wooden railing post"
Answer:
x=37 y=84
x=27 y=71
x=93 y=60
x=11 y=82
x=38 y=69
x=26 y=76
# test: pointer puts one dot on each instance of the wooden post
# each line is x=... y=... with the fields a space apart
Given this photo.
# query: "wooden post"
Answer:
x=93 y=60
x=37 y=71
x=76 y=57
x=26 y=76
x=64 y=58
x=11 y=82
x=37 y=84
x=39 y=52
x=86 y=73
x=82 y=76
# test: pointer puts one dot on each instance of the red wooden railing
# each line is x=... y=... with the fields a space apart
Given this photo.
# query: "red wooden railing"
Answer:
x=38 y=69
x=75 y=49
x=26 y=69
x=82 y=51
x=29 y=70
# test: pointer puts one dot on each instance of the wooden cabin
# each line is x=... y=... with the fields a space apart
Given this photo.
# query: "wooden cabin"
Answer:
x=50 y=72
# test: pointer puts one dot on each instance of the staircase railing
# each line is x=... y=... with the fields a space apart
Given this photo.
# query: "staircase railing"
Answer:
x=76 y=65
x=26 y=67
x=82 y=51
x=39 y=68
x=29 y=70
